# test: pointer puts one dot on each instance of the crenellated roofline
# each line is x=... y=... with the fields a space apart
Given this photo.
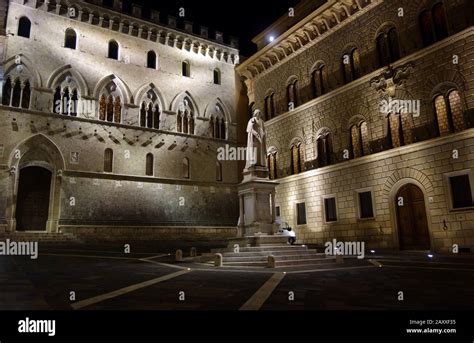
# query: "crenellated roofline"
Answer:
x=94 y=13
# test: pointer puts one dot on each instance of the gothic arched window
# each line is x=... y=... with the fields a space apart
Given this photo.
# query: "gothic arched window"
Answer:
x=111 y=104
x=185 y=118
x=324 y=149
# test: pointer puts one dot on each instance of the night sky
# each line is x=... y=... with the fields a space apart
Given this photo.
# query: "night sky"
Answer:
x=243 y=19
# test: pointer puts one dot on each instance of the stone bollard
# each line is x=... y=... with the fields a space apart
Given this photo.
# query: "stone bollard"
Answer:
x=339 y=258
x=193 y=252
x=271 y=262
x=218 y=260
x=179 y=255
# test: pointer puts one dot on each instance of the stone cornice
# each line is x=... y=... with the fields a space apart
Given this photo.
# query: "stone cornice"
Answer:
x=4 y=109
x=145 y=179
x=315 y=27
x=396 y=152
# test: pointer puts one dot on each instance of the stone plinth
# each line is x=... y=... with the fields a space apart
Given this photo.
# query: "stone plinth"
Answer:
x=257 y=203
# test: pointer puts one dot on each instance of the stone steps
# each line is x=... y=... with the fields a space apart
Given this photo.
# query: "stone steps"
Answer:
x=270 y=256
x=264 y=258
x=305 y=262
x=262 y=249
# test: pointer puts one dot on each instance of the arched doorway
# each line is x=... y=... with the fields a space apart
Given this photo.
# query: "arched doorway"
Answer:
x=34 y=189
x=412 y=220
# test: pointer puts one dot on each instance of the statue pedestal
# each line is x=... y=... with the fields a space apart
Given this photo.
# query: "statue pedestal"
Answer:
x=257 y=203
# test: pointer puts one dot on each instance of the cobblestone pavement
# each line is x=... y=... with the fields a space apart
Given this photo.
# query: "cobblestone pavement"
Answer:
x=102 y=278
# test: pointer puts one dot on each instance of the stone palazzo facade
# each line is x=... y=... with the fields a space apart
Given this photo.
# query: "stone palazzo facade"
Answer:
x=369 y=108
x=111 y=122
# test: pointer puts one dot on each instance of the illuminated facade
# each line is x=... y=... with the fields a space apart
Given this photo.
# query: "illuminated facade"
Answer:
x=370 y=113
x=111 y=122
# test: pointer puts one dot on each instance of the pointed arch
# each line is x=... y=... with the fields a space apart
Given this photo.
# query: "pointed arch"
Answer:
x=174 y=106
x=151 y=106
x=62 y=72
x=210 y=109
x=10 y=66
x=30 y=146
x=124 y=90
x=144 y=89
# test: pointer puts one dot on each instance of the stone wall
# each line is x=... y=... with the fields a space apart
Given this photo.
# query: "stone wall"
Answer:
x=425 y=164
x=425 y=160
x=73 y=147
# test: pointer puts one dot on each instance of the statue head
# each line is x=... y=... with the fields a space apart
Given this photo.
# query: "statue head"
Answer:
x=257 y=114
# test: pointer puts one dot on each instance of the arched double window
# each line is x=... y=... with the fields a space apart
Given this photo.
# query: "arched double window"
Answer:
x=399 y=129
x=292 y=93
x=324 y=148
x=296 y=160
x=114 y=50
x=272 y=164
x=449 y=112
x=319 y=80
x=351 y=65
x=24 y=27
x=16 y=93
x=433 y=24
x=359 y=140
x=388 y=46
x=70 y=39
x=151 y=60
x=270 y=106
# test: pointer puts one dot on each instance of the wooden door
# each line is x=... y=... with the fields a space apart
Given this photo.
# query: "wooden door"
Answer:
x=412 y=220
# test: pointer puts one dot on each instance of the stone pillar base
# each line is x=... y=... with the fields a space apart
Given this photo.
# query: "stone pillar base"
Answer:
x=258 y=217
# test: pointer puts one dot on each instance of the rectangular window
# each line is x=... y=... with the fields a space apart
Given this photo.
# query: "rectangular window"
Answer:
x=108 y=160
x=277 y=210
x=330 y=209
x=301 y=214
x=366 y=206
x=461 y=191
